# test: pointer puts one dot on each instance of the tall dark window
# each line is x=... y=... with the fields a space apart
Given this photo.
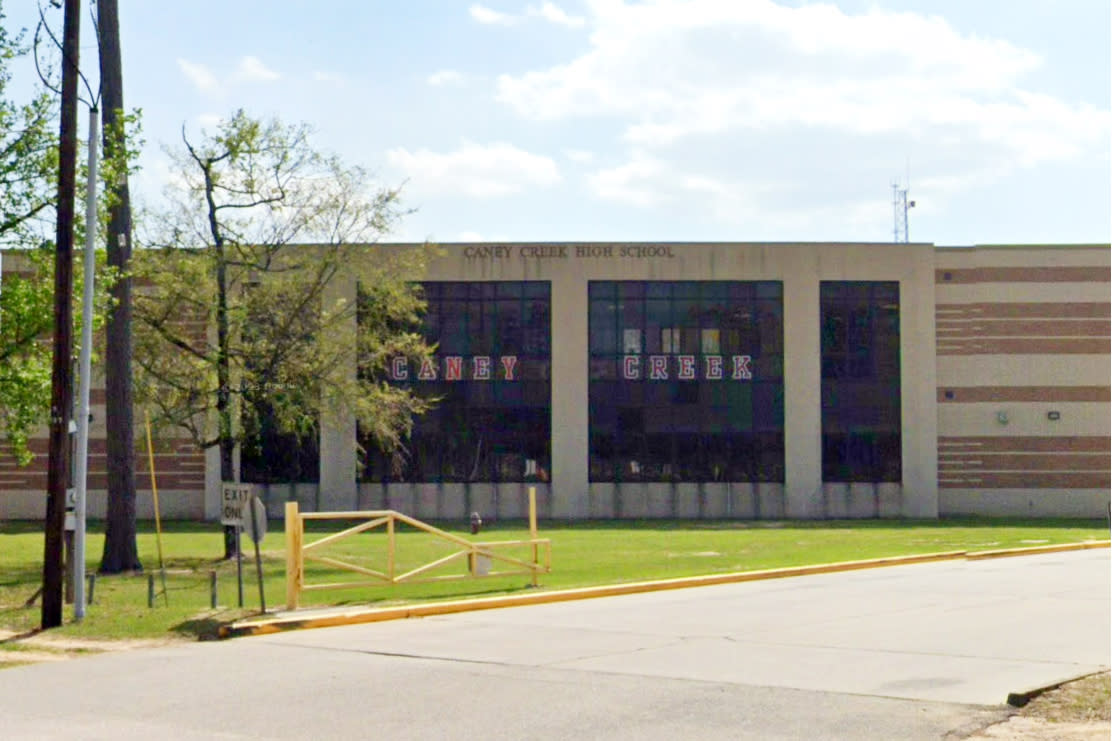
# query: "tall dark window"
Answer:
x=860 y=380
x=686 y=381
x=491 y=374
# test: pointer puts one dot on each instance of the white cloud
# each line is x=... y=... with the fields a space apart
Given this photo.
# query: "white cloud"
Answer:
x=637 y=182
x=444 y=77
x=780 y=119
x=198 y=74
x=489 y=17
x=554 y=14
x=680 y=68
x=579 y=155
x=209 y=120
x=547 y=11
x=251 y=69
x=473 y=236
x=474 y=170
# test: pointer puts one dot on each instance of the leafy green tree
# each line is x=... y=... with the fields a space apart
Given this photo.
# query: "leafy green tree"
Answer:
x=243 y=314
x=26 y=306
x=28 y=153
x=28 y=161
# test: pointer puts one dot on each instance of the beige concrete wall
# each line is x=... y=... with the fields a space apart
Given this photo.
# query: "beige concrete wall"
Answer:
x=338 y=432
x=1019 y=255
x=569 y=268
x=1023 y=419
x=801 y=267
x=1023 y=335
x=173 y=504
x=1022 y=370
x=1090 y=503
x=454 y=501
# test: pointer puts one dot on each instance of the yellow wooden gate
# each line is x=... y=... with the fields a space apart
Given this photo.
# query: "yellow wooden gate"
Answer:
x=480 y=557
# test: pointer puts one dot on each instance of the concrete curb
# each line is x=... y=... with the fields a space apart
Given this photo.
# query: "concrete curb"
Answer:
x=981 y=555
x=1019 y=699
x=305 y=621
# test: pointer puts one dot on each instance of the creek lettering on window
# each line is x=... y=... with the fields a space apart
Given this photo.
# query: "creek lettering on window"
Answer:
x=687 y=367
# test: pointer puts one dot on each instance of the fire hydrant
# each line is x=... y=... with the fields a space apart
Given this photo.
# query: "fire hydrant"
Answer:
x=476 y=522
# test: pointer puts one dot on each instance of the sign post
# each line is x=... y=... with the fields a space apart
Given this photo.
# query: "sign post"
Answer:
x=257 y=531
x=233 y=498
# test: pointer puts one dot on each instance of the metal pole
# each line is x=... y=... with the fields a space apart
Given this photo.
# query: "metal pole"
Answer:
x=533 y=529
x=81 y=473
x=258 y=556
x=154 y=496
x=239 y=560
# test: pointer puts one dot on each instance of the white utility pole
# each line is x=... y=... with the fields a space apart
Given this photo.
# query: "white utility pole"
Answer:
x=81 y=455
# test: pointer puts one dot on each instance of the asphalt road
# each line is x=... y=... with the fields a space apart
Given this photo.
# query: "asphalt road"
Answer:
x=911 y=652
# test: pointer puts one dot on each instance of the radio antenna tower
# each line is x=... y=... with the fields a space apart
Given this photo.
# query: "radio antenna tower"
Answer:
x=900 y=205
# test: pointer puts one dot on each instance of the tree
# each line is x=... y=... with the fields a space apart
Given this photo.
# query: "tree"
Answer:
x=25 y=316
x=28 y=193
x=61 y=398
x=120 y=549
x=28 y=154
x=28 y=163
x=242 y=322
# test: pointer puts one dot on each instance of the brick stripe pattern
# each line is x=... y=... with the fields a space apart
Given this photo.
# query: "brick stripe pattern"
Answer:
x=1024 y=462
x=1051 y=330
x=1023 y=329
x=179 y=466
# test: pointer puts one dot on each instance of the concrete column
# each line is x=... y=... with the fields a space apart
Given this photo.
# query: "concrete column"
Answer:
x=802 y=393
x=919 y=388
x=212 y=495
x=338 y=488
x=569 y=396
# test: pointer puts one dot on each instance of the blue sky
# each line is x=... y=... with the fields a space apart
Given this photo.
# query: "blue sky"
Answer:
x=738 y=120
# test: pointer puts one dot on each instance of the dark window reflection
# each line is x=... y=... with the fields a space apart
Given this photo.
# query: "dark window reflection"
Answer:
x=686 y=381
x=860 y=335
x=493 y=430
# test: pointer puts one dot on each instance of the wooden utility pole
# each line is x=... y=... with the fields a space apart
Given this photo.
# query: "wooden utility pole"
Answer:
x=61 y=402
x=120 y=551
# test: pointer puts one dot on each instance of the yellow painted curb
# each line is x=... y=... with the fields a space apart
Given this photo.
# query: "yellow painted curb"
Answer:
x=375 y=615
x=1005 y=552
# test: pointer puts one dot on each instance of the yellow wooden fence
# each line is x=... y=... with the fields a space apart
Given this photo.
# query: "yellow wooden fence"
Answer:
x=480 y=557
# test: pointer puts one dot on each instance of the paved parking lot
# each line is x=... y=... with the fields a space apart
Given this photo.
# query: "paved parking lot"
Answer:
x=956 y=631
x=921 y=651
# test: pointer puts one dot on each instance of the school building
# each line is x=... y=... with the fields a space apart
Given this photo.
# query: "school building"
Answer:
x=712 y=380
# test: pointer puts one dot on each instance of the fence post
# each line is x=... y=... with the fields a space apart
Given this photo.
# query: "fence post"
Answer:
x=295 y=578
x=390 y=545
x=533 y=530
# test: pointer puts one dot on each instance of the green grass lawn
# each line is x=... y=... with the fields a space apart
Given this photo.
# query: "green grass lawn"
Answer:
x=583 y=554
